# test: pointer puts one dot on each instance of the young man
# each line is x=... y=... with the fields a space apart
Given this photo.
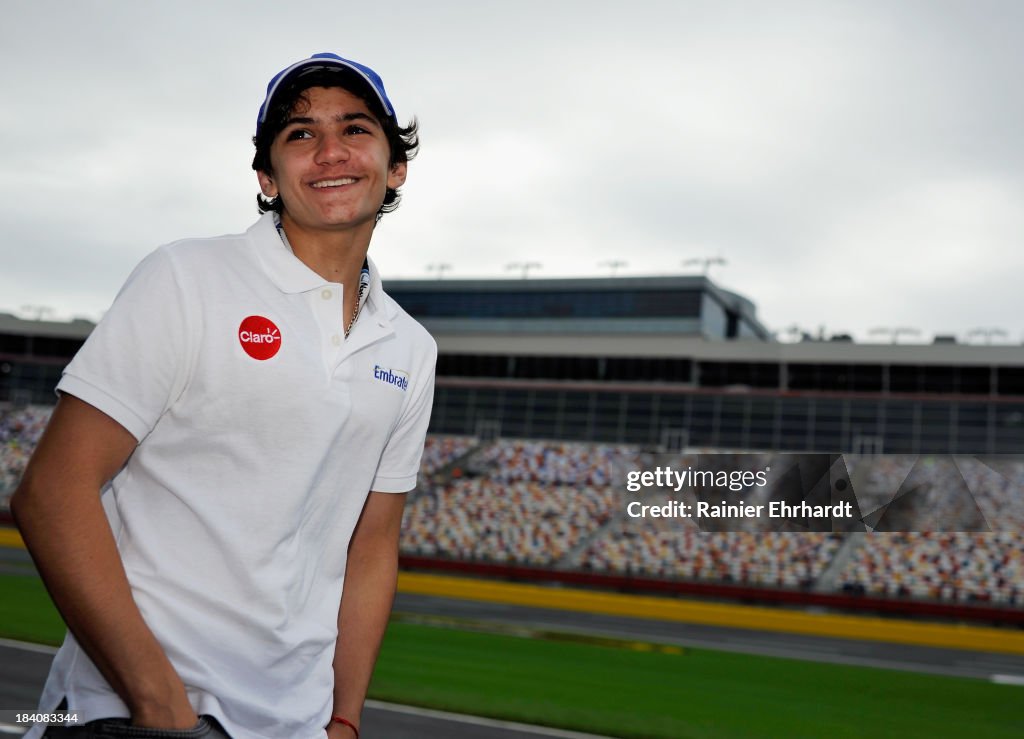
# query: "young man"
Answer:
x=251 y=408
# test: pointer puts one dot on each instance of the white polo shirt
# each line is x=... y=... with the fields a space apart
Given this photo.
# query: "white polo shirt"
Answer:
x=261 y=431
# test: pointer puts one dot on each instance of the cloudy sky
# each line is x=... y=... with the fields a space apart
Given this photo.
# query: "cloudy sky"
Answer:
x=858 y=164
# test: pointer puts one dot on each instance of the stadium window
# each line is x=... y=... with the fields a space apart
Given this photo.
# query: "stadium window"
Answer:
x=487 y=402
x=972 y=428
x=865 y=378
x=1010 y=380
x=702 y=421
x=620 y=369
x=803 y=376
x=828 y=412
x=975 y=380
x=711 y=374
x=900 y=428
x=672 y=409
x=612 y=369
x=795 y=424
x=13 y=344
x=732 y=423
x=459 y=397
x=545 y=403
x=576 y=421
x=526 y=367
x=938 y=379
x=47 y=346
x=1009 y=429
x=864 y=417
x=638 y=418
x=904 y=378
x=458 y=365
x=761 y=424
x=936 y=428
x=445 y=365
x=731 y=324
x=833 y=377
x=607 y=410
x=656 y=369
x=765 y=374
x=546 y=367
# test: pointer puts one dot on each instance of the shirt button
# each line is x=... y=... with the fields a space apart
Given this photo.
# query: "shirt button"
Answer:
x=336 y=340
x=327 y=294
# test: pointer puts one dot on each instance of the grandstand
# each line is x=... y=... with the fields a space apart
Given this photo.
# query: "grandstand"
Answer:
x=558 y=506
x=550 y=391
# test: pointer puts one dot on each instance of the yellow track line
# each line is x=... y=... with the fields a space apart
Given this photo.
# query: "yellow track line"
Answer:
x=715 y=614
x=11 y=538
x=712 y=614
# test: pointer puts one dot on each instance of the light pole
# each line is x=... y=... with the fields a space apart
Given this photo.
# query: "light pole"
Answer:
x=524 y=266
x=440 y=268
x=705 y=262
x=986 y=333
x=37 y=312
x=895 y=332
x=613 y=264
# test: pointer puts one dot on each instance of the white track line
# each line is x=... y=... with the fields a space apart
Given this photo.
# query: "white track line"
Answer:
x=1008 y=679
x=28 y=646
x=480 y=721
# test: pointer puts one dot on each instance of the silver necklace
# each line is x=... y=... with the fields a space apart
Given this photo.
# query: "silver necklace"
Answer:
x=364 y=282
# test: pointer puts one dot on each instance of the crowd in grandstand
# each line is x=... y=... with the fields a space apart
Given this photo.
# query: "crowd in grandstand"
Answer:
x=965 y=567
x=526 y=503
x=20 y=429
x=441 y=451
x=518 y=522
x=775 y=560
x=563 y=505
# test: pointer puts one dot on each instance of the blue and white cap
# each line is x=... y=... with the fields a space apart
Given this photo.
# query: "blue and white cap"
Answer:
x=325 y=60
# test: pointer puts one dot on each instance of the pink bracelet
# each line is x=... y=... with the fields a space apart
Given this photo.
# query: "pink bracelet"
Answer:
x=345 y=722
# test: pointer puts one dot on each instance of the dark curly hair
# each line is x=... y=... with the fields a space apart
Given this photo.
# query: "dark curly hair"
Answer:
x=403 y=142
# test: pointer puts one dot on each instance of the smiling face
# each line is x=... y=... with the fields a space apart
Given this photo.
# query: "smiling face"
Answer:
x=330 y=164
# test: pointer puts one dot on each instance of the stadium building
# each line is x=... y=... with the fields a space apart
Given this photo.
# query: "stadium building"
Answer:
x=33 y=354
x=677 y=361
x=669 y=362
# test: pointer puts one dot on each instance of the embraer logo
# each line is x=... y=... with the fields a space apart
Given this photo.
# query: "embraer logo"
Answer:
x=397 y=378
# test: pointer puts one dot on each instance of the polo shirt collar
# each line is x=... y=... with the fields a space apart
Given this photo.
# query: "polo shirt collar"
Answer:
x=285 y=270
x=291 y=275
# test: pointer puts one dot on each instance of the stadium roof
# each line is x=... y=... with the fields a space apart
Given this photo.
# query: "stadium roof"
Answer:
x=679 y=305
x=703 y=349
x=78 y=328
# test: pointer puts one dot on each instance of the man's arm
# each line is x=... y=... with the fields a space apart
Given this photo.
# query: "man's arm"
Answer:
x=370 y=579
x=58 y=510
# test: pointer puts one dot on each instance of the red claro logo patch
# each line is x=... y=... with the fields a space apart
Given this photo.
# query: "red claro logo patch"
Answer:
x=259 y=337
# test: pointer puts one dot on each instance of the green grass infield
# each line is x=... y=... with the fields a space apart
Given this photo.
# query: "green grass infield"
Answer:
x=627 y=688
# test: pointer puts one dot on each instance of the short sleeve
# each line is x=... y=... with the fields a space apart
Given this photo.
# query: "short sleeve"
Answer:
x=400 y=462
x=134 y=364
